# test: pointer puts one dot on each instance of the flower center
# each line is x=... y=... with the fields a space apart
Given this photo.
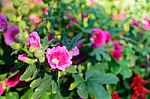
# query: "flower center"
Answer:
x=55 y=60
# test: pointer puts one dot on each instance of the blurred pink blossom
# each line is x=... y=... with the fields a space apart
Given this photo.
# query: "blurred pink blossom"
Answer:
x=59 y=57
x=120 y=16
x=38 y=1
x=98 y=37
x=146 y=23
x=74 y=51
x=108 y=36
x=34 y=40
x=134 y=22
x=13 y=81
x=1 y=89
x=45 y=11
x=117 y=46
x=3 y=23
x=10 y=35
x=23 y=58
x=117 y=52
x=35 y=19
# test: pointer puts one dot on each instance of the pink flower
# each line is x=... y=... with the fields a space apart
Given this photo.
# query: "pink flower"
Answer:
x=35 y=19
x=117 y=54
x=120 y=16
x=13 y=81
x=146 y=23
x=134 y=22
x=93 y=1
x=38 y=1
x=74 y=51
x=45 y=11
x=34 y=40
x=59 y=57
x=23 y=58
x=98 y=37
x=1 y=89
x=10 y=35
x=117 y=46
x=72 y=18
x=3 y=23
x=108 y=36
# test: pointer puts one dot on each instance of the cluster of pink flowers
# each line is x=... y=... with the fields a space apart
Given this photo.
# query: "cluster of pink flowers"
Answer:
x=58 y=57
x=117 y=52
x=99 y=37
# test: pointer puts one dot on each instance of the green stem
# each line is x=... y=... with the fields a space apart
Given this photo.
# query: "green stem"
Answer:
x=26 y=51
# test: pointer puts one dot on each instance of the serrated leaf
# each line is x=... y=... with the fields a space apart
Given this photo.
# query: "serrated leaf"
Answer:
x=30 y=73
x=46 y=82
x=36 y=83
x=100 y=53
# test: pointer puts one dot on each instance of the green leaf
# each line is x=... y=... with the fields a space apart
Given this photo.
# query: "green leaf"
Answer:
x=27 y=94
x=95 y=75
x=98 y=91
x=100 y=53
x=75 y=41
x=12 y=95
x=2 y=97
x=83 y=90
x=36 y=83
x=46 y=82
x=71 y=69
x=30 y=73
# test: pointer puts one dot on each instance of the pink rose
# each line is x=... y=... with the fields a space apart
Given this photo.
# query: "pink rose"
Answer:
x=34 y=40
x=13 y=81
x=35 y=19
x=1 y=89
x=59 y=57
x=98 y=37
x=74 y=51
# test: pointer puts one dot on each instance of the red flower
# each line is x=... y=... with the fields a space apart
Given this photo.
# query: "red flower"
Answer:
x=115 y=95
x=139 y=91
